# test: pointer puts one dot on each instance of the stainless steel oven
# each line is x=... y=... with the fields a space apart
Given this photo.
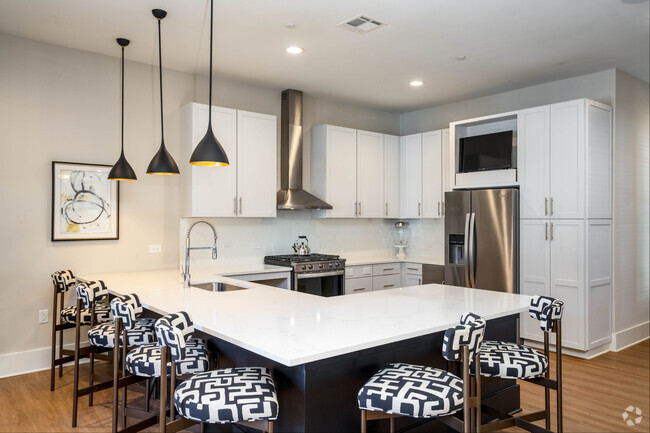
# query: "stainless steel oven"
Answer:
x=315 y=274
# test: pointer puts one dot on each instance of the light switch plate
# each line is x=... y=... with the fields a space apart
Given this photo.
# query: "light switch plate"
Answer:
x=154 y=249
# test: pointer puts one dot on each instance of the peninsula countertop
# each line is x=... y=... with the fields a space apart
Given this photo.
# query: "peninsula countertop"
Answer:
x=294 y=328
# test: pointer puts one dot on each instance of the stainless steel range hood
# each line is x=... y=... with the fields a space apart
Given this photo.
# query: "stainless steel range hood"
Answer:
x=291 y=195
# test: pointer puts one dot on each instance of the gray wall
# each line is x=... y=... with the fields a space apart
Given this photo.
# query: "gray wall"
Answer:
x=598 y=86
x=631 y=208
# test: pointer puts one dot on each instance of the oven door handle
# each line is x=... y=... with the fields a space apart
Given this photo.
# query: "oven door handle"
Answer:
x=319 y=274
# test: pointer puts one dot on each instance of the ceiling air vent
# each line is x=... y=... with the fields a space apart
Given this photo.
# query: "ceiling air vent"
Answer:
x=361 y=24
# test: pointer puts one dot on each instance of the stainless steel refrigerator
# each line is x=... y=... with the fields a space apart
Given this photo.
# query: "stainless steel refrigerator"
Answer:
x=482 y=239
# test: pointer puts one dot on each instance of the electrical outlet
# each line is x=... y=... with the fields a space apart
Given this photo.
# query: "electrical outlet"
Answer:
x=154 y=249
x=42 y=316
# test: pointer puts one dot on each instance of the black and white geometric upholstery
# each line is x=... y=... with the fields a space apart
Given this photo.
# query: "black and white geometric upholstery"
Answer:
x=145 y=360
x=469 y=333
x=63 y=280
x=102 y=314
x=228 y=395
x=103 y=335
x=128 y=308
x=511 y=361
x=173 y=331
x=546 y=310
x=412 y=390
x=91 y=292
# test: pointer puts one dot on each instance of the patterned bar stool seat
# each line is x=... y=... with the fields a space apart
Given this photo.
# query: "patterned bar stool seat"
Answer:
x=62 y=282
x=245 y=395
x=418 y=391
x=514 y=361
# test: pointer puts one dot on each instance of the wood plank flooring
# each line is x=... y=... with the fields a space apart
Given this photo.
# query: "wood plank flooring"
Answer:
x=596 y=393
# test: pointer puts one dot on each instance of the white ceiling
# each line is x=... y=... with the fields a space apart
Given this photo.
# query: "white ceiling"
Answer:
x=509 y=44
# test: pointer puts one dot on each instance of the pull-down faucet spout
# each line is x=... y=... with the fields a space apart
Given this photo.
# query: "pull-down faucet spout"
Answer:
x=188 y=248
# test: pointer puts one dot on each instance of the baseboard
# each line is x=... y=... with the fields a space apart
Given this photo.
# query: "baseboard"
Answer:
x=29 y=361
x=630 y=336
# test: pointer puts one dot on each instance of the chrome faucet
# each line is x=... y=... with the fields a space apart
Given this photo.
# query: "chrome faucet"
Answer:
x=186 y=271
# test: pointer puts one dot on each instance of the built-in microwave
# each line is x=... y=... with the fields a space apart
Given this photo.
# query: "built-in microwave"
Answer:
x=485 y=152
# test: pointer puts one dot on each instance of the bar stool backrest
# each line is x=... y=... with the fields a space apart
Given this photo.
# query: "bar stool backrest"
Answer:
x=173 y=331
x=90 y=292
x=469 y=333
x=63 y=280
x=547 y=310
x=128 y=308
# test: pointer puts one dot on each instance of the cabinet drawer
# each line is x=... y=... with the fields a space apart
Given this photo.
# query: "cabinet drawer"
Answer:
x=413 y=268
x=386 y=269
x=358 y=285
x=385 y=282
x=358 y=271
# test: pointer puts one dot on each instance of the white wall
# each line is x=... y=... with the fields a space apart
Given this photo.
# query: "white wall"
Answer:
x=631 y=210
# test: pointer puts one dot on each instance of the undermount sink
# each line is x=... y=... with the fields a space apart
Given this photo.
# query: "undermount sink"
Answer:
x=218 y=287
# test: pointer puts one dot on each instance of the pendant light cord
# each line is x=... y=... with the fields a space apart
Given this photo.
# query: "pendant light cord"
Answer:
x=210 y=97
x=122 y=100
x=162 y=129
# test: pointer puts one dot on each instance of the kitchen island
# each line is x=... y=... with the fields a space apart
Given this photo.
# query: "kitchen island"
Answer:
x=322 y=350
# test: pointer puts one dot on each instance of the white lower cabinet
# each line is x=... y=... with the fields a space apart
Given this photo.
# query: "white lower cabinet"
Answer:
x=411 y=274
x=554 y=262
x=358 y=285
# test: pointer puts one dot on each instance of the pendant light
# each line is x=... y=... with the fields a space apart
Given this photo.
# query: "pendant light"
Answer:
x=122 y=169
x=209 y=152
x=162 y=162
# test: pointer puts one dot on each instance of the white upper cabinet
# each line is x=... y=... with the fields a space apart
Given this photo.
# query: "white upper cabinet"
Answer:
x=447 y=167
x=257 y=164
x=334 y=169
x=411 y=176
x=534 y=139
x=567 y=160
x=566 y=164
x=432 y=174
x=391 y=176
x=370 y=175
x=250 y=142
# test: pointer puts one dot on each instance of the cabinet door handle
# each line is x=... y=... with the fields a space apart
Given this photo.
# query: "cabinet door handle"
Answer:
x=551 y=231
x=438 y=208
x=411 y=269
x=545 y=231
x=388 y=269
x=419 y=208
x=239 y=205
x=386 y=213
x=359 y=209
x=420 y=281
x=551 y=213
x=545 y=205
x=359 y=289
x=355 y=208
x=234 y=205
x=389 y=285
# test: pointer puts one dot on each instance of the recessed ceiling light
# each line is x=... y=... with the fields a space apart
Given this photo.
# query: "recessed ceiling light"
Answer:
x=416 y=83
x=294 y=50
x=460 y=58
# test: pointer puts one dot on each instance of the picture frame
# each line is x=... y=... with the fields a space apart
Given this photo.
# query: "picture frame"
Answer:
x=85 y=203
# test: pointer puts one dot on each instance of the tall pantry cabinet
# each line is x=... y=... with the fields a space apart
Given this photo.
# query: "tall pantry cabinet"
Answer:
x=566 y=211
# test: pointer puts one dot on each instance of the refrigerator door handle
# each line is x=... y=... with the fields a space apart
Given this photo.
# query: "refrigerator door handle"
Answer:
x=466 y=250
x=471 y=253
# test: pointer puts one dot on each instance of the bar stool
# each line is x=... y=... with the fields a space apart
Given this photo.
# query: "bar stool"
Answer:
x=62 y=282
x=515 y=361
x=244 y=395
x=417 y=391
x=101 y=338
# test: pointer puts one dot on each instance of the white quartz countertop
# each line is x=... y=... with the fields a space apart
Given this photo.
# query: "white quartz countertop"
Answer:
x=228 y=270
x=295 y=328
x=359 y=261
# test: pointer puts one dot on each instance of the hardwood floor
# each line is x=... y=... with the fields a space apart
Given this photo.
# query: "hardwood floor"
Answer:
x=596 y=393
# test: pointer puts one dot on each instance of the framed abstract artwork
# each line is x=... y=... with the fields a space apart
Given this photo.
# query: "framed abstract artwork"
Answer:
x=85 y=204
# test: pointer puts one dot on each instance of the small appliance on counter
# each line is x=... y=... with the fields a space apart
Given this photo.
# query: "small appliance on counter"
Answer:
x=316 y=274
x=401 y=238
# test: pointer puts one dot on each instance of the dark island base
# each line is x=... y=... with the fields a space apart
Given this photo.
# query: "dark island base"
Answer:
x=321 y=396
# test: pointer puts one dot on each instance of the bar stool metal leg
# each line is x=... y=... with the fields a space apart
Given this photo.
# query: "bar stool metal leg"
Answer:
x=558 y=374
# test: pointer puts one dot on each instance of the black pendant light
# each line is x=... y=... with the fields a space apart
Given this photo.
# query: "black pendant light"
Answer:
x=162 y=162
x=122 y=169
x=209 y=152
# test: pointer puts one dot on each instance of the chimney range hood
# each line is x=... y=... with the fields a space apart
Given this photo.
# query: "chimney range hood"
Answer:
x=291 y=195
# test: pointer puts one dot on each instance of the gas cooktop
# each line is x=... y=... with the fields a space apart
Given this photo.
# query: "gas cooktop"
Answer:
x=289 y=259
